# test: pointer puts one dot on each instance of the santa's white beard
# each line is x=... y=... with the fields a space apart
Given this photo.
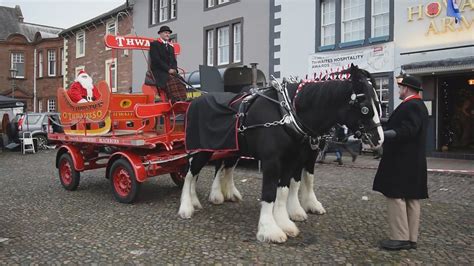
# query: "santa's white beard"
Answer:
x=87 y=83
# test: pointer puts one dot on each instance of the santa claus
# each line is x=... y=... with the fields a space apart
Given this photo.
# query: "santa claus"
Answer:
x=83 y=89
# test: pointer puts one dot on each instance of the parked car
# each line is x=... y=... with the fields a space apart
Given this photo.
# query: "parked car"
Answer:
x=38 y=124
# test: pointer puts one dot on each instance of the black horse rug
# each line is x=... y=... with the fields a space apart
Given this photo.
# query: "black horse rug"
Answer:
x=212 y=122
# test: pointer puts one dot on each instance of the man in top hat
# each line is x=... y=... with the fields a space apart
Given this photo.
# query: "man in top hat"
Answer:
x=82 y=90
x=402 y=172
x=164 y=66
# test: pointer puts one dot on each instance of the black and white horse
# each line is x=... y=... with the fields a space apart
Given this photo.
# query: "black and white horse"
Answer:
x=286 y=155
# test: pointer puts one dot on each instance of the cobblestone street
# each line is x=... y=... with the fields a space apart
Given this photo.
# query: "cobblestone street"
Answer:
x=40 y=222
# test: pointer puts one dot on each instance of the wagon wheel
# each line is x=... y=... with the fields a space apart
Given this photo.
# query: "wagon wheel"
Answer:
x=123 y=181
x=178 y=177
x=68 y=176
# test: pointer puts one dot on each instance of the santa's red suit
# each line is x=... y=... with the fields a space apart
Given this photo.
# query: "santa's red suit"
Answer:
x=83 y=89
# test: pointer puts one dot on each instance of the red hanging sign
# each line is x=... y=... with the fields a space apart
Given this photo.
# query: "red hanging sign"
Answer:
x=134 y=43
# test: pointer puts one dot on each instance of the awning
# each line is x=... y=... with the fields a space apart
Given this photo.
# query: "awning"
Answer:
x=440 y=66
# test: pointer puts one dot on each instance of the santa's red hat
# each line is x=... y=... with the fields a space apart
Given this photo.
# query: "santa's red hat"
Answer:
x=81 y=72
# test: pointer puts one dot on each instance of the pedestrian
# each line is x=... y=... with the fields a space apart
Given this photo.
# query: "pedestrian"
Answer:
x=165 y=67
x=402 y=172
x=341 y=142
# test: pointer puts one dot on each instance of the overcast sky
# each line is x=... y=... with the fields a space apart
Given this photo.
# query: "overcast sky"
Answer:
x=61 y=13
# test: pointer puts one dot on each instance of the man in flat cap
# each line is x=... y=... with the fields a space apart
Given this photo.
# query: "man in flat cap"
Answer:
x=402 y=172
x=165 y=67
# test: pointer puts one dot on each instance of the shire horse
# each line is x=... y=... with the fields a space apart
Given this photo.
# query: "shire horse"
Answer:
x=286 y=157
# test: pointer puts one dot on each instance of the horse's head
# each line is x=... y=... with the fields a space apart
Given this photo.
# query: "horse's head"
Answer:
x=363 y=116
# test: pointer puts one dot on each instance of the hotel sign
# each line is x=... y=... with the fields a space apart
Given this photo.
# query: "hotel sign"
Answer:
x=435 y=11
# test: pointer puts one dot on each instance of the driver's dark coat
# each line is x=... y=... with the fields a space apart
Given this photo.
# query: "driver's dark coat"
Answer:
x=402 y=170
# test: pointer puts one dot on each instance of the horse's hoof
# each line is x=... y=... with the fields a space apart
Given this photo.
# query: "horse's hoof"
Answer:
x=185 y=214
x=197 y=205
x=299 y=217
x=317 y=209
x=216 y=199
x=291 y=231
x=273 y=234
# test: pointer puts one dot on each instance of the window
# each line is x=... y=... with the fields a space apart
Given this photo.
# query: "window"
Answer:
x=216 y=3
x=40 y=64
x=51 y=105
x=163 y=10
x=18 y=63
x=77 y=70
x=80 y=44
x=380 y=18
x=210 y=47
x=111 y=73
x=51 y=63
x=223 y=43
x=328 y=22
x=173 y=9
x=237 y=43
x=353 y=20
x=110 y=28
x=383 y=93
x=40 y=106
x=62 y=61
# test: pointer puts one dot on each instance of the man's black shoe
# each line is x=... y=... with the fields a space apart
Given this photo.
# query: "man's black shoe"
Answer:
x=413 y=245
x=395 y=244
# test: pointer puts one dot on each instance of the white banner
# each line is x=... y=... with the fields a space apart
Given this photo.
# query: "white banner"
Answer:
x=375 y=59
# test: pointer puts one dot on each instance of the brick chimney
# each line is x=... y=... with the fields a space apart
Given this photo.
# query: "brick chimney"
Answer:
x=18 y=13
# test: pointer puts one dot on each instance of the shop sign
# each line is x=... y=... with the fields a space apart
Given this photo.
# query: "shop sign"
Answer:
x=435 y=11
x=375 y=59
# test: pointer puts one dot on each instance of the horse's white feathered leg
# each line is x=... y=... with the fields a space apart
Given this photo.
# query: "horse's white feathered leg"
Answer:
x=216 y=196
x=309 y=201
x=295 y=211
x=268 y=230
x=186 y=208
x=228 y=186
x=281 y=214
x=194 y=197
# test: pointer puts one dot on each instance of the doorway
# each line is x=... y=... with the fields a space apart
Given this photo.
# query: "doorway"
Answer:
x=456 y=113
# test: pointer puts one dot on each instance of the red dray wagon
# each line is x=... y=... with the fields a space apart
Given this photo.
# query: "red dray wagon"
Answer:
x=130 y=135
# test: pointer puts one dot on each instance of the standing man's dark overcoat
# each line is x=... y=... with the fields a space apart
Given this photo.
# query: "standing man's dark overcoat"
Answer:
x=402 y=170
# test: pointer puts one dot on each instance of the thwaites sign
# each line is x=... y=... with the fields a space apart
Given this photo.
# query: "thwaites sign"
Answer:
x=375 y=59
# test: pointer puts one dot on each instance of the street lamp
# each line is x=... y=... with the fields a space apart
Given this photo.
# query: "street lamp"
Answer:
x=13 y=73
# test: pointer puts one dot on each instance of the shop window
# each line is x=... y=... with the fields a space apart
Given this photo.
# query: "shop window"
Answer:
x=111 y=73
x=383 y=93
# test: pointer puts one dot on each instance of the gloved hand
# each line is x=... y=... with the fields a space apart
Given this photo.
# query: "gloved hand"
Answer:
x=389 y=134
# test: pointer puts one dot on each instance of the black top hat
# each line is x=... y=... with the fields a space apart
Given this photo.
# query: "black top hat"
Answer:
x=411 y=82
x=165 y=28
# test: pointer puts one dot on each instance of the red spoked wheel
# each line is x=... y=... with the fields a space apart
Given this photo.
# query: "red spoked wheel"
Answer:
x=123 y=181
x=68 y=176
x=178 y=177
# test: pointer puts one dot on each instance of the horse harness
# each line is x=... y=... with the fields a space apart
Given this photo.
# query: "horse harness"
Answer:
x=289 y=119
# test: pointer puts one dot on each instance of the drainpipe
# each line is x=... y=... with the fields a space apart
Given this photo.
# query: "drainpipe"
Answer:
x=35 y=102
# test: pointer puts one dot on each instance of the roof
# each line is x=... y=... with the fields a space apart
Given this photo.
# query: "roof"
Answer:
x=106 y=15
x=11 y=20
x=7 y=102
